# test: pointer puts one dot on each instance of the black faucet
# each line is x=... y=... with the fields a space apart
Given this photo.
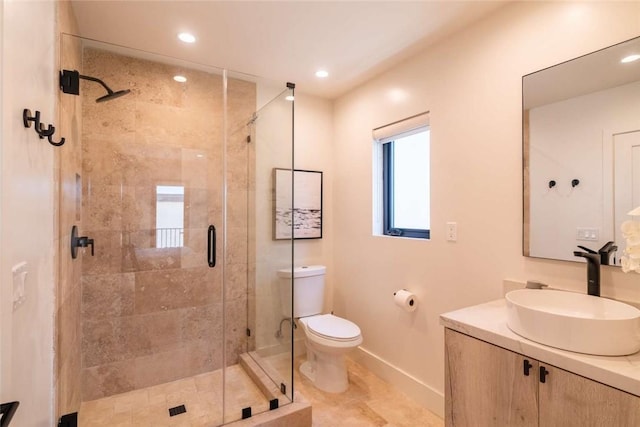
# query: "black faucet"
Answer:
x=593 y=270
x=605 y=252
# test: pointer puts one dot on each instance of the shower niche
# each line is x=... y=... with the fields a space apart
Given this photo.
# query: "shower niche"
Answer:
x=147 y=319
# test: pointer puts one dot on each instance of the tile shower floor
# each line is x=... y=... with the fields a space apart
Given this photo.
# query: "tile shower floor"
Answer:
x=369 y=401
x=201 y=395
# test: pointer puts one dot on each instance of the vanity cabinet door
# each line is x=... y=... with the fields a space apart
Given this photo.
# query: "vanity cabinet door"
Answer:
x=567 y=399
x=486 y=385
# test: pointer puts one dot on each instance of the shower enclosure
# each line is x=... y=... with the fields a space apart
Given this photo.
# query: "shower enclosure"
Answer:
x=173 y=183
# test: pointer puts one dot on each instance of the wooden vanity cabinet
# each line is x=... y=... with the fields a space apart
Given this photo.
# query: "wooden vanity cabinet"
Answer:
x=487 y=386
x=567 y=399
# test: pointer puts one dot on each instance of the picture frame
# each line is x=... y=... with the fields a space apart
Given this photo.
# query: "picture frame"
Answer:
x=306 y=203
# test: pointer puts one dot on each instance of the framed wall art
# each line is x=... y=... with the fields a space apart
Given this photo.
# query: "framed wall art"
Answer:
x=297 y=204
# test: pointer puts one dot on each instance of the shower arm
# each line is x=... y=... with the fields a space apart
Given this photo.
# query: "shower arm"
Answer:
x=93 y=79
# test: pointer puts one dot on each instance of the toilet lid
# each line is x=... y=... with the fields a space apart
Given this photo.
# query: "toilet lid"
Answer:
x=333 y=327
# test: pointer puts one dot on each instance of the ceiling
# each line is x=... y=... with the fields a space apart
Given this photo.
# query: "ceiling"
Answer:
x=587 y=74
x=286 y=40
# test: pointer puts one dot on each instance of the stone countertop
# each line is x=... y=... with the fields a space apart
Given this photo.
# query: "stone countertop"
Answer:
x=488 y=322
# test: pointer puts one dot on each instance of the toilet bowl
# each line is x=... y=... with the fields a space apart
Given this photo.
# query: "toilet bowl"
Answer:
x=328 y=339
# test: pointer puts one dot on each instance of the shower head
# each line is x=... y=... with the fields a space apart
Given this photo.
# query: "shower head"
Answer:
x=113 y=95
x=70 y=83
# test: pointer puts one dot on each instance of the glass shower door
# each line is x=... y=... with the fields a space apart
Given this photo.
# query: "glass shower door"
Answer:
x=257 y=142
x=165 y=318
x=142 y=175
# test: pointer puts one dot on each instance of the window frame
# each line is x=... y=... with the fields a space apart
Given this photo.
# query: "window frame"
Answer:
x=388 y=198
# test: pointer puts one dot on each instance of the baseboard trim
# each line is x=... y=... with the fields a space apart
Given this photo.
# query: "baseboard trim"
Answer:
x=417 y=390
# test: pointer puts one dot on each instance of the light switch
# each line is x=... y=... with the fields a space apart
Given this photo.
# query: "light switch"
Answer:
x=452 y=231
x=19 y=278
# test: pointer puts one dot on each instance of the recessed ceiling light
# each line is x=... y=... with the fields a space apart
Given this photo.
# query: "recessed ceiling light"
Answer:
x=322 y=74
x=180 y=79
x=630 y=58
x=289 y=97
x=187 y=38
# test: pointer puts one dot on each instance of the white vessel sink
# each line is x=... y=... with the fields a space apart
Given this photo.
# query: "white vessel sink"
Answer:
x=574 y=322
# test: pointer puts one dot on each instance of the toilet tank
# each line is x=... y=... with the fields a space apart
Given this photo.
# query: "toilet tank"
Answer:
x=308 y=287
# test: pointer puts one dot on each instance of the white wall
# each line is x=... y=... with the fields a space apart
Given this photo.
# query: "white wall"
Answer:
x=26 y=229
x=570 y=139
x=314 y=151
x=471 y=84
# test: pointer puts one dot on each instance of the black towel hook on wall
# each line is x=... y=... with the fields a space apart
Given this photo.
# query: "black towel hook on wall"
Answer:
x=42 y=132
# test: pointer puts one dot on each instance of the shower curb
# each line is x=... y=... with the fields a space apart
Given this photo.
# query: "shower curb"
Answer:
x=291 y=414
x=268 y=380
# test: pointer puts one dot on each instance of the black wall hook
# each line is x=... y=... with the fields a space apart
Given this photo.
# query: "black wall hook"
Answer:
x=40 y=129
x=552 y=183
x=57 y=144
x=575 y=182
x=42 y=132
x=27 y=118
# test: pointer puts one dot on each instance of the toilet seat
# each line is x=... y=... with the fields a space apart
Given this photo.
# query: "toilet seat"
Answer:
x=333 y=328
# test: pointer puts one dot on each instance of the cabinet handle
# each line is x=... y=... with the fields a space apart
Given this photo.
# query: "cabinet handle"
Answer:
x=527 y=366
x=543 y=374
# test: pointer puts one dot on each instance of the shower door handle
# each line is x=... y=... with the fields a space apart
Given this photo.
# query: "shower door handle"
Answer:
x=211 y=246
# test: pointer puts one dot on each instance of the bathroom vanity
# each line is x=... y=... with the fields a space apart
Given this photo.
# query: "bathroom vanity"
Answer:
x=494 y=377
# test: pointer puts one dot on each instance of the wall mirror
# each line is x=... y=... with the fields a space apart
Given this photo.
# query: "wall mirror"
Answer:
x=581 y=149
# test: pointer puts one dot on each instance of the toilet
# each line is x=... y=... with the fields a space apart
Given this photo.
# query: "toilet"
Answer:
x=328 y=337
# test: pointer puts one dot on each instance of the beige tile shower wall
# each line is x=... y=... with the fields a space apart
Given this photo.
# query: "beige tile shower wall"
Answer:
x=152 y=315
x=240 y=171
x=68 y=163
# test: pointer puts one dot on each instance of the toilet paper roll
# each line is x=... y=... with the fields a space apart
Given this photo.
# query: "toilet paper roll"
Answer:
x=406 y=300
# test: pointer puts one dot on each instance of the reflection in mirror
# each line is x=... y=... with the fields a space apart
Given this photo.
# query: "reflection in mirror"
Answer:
x=169 y=216
x=581 y=132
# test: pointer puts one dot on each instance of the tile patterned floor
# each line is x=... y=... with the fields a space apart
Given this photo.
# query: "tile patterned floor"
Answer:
x=202 y=396
x=369 y=402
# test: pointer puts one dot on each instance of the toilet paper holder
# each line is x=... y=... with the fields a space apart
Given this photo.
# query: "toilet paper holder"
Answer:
x=412 y=301
x=405 y=299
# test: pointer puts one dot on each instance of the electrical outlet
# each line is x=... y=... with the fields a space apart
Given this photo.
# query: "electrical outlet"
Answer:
x=452 y=231
x=19 y=278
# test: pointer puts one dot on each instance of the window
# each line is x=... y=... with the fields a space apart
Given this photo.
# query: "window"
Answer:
x=169 y=216
x=403 y=177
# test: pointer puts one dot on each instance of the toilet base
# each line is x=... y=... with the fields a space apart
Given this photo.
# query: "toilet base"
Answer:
x=326 y=372
x=308 y=371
